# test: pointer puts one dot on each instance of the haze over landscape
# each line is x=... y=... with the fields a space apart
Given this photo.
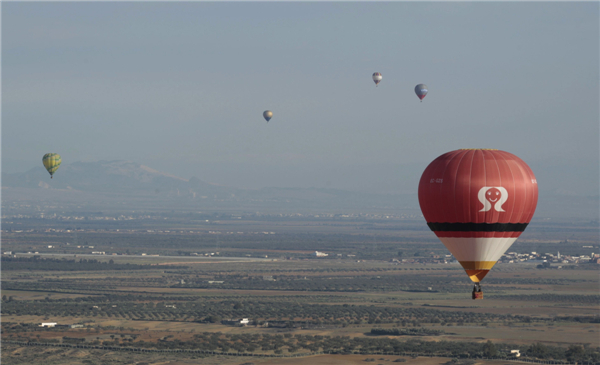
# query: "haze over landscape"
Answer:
x=182 y=228
x=88 y=183
x=181 y=88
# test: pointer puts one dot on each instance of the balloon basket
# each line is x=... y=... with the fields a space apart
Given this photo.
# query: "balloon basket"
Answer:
x=477 y=295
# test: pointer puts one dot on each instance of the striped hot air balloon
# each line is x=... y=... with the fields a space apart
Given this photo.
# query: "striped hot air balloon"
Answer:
x=377 y=78
x=478 y=201
x=51 y=162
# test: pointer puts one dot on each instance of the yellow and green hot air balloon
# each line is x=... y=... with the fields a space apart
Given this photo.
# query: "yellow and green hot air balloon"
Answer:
x=51 y=162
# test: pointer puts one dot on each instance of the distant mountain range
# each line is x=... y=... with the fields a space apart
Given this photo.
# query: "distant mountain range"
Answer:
x=126 y=184
x=129 y=180
x=108 y=176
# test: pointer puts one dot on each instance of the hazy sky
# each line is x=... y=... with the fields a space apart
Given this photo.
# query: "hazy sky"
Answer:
x=181 y=87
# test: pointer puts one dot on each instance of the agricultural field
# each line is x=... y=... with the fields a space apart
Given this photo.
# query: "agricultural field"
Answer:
x=381 y=292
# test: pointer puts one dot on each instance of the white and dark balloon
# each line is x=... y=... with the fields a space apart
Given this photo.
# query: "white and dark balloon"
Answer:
x=267 y=114
x=421 y=91
x=377 y=78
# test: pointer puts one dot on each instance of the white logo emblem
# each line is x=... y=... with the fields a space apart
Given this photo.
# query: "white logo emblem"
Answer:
x=489 y=195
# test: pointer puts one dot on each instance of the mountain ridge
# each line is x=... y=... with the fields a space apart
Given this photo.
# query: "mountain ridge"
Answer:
x=110 y=183
x=110 y=176
x=133 y=181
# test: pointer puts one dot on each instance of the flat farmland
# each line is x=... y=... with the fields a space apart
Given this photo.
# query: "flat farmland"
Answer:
x=21 y=355
x=383 y=287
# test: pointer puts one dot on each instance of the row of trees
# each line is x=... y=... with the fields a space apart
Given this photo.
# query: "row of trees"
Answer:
x=265 y=343
x=51 y=264
x=337 y=283
x=347 y=283
x=421 y=331
x=561 y=298
x=298 y=313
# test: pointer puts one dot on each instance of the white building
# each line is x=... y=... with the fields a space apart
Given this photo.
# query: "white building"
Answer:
x=48 y=324
x=244 y=321
x=319 y=254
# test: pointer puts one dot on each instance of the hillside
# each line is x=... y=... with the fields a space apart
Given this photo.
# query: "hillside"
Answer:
x=130 y=184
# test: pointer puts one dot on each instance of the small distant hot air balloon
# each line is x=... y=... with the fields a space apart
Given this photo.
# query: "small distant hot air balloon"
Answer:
x=421 y=91
x=267 y=114
x=377 y=78
x=51 y=162
x=478 y=202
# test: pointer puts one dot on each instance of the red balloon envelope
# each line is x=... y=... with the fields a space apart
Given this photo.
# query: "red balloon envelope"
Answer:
x=478 y=201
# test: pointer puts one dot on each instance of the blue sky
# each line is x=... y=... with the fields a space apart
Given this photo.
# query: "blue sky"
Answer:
x=181 y=87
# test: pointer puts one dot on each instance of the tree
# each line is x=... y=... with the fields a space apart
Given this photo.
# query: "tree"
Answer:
x=489 y=349
x=575 y=353
x=537 y=350
x=213 y=319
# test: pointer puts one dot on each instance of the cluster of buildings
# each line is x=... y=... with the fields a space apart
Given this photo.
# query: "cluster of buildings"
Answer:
x=58 y=230
x=76 y=218
x=122 y=217
x=534 y=257
x=237 y=322
x=434 y=259
x=511 y=258
x=55 y=325
x=332 y=215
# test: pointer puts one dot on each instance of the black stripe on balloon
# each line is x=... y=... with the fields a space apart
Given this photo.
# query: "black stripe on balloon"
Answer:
x=478 y=227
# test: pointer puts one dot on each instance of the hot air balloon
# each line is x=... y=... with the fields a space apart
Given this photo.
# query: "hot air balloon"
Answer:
x=421 y=91
x=267 y=114
x=478 y=201
x=377 y=78
x=51 y=162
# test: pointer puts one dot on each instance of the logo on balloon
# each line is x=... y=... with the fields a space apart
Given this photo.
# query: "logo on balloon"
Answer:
x=496 y=195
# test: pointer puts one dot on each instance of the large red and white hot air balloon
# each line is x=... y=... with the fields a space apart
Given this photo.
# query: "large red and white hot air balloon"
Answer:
x=478 y=201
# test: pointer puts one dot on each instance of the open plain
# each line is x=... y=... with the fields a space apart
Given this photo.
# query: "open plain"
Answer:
x=386 y=286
